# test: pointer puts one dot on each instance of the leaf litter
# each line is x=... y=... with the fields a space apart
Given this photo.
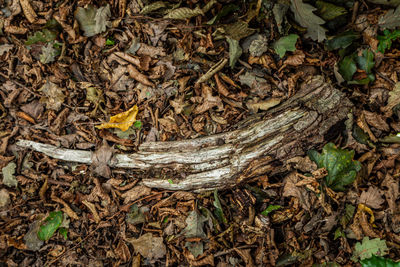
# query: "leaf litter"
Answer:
x=192 y=69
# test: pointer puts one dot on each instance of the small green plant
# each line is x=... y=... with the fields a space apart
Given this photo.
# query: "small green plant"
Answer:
x=339 y=163
x=44 y=36
x=375 y=261
x=110 y=41
x=270 y=209
x=50 y=226
x=385 y=40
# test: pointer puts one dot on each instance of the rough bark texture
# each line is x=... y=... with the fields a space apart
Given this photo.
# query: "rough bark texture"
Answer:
x=223 y=160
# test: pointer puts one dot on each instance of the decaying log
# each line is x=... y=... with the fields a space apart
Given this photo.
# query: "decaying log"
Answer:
x=223 y=160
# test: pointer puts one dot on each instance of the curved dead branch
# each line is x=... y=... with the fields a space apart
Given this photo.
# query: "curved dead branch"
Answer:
x=226 y=159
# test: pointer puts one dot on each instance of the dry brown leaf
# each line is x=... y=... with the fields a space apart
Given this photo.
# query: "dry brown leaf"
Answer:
x=149 y=246
x=372 y=198
x=296 y=59
x=376 y=121
x=29 y=12
x=209 y=101
x=100 y=160
x=136 y=75
x=291 y=190
x=392 y=192
x=67 y=209
x=168 y=124
x=92 y=209
x=122 y=251
x=136 y=193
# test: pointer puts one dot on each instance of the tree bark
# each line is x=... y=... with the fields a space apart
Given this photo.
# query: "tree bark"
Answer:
x=257 y=146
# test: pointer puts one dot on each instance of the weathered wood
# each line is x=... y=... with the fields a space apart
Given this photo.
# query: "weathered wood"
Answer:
x=223 y=160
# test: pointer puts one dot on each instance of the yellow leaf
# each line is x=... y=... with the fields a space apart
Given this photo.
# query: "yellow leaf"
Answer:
x=122 y=120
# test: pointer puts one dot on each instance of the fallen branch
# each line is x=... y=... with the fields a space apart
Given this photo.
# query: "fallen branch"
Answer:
x=223 y=160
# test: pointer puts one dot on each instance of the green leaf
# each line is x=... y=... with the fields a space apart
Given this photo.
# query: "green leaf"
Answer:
x=50 y=225
x=110 y=41
x=286 y=43
x=367 y=248
x=342 y=40
x=385 y=41
x=218 y=208
x=339 y=163
x=235 y=51
x=270 y=209
x=329 y=11
x=93 y=20
x=366 y=61
x=303 y=14
x=339 y=233
x=44 y=36
x=137 y=124
x=347 y=67
x=64 y=232
x=375 y=261
x=348 y=215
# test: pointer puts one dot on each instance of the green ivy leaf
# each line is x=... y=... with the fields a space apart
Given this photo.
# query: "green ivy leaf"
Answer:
x=342 y=40
x=286 y=43
x=50 y=225
x=347 y=67
x=270 y=209
x=339 y=163
x=366 y=61
x=367 y=248
x=375 y=261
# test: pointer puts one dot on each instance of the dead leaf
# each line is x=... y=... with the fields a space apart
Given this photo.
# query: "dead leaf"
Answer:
x=100 y=160
x=291 y=190
x=92 y=208
x=54 y=96
x=392 y=192
x=29 y=12
x=194 y=225
x=135 y=193
x=372 y=198
x=376 y=121
x=296 y=59
x=135 y=74
x=263 y=105
x=208 y=100
x=122 y=120
x=149 y=246
x=4 y=198
x=122 y=251
x=93 y=20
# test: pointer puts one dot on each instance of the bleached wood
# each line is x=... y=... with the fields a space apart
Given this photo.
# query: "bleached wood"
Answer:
x=223 y=160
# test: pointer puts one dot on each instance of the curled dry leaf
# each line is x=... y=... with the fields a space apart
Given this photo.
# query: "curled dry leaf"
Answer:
x=136 y=75
x=372 y=198
x=122 y=120
x=135 y=193
x=209 y=101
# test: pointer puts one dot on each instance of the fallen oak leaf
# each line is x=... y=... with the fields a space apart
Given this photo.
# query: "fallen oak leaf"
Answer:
x=122 y=120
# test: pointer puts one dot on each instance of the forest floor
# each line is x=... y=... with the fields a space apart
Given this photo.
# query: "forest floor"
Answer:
x=176 y=70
